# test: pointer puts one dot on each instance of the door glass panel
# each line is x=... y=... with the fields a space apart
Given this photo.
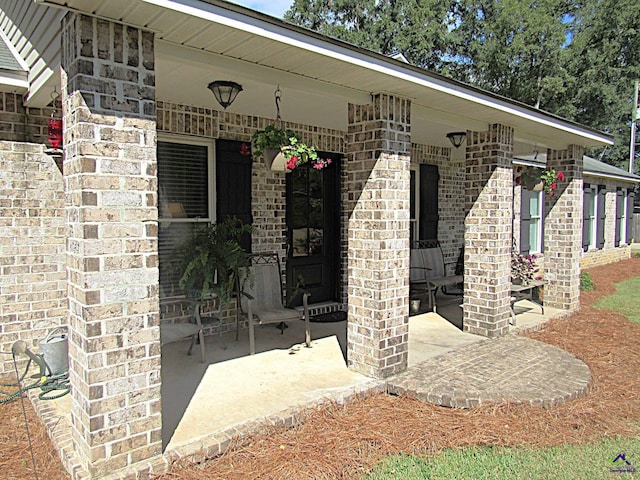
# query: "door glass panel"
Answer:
x=308 y=212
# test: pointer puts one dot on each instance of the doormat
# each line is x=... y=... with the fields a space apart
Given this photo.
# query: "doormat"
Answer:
x=338 y=316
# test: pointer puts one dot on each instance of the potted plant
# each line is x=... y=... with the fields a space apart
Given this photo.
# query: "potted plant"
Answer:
x=523 y=267
x=537 y=179
x=212 y=259
x=283 y=151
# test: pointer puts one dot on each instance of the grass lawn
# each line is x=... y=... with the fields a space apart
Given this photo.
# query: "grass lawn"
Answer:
x=626 y=299
x=594 y=461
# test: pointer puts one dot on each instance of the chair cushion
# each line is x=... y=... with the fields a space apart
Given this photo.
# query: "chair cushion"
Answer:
x=444 y=281
x=277 y=315
x=172 y=332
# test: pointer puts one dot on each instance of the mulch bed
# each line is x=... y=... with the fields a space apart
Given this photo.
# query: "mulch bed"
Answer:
x=346 y=441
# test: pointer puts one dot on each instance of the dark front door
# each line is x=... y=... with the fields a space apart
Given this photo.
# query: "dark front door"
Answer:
x=313 y=205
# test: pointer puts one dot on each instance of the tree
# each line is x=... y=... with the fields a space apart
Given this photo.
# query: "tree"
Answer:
x=514 y=48
x=574 y=58
x=604 y=61
x=419 y=30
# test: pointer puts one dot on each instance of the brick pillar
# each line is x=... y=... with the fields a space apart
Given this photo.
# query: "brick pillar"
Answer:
x=377 y=170
x=108 y=84
x=488 y=231
x=563 y=231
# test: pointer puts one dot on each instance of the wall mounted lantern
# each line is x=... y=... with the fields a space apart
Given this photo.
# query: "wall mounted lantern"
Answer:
x=456 y=138
x=225 y=92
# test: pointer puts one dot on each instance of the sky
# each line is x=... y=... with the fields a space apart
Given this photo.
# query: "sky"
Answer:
x=274 y=8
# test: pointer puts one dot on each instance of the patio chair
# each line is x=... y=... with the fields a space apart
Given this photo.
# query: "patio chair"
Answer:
x=173 y=332
x=261 y=297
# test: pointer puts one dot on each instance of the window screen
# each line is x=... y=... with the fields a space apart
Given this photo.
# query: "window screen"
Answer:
x=184 y=199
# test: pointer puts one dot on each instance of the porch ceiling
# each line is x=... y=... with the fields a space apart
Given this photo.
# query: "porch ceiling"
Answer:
x=201 y=41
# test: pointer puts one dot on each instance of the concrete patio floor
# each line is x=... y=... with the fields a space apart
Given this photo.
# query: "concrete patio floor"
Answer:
x=206 y=404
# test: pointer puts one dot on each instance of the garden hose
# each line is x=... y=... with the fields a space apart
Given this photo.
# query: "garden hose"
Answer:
x=53 y=383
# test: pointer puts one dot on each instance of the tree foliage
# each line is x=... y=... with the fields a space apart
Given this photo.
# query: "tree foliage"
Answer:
x=574 y=58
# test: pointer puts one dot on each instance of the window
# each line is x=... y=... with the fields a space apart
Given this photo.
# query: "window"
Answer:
x=185 y=197
x=621 y=217
x=531 y=221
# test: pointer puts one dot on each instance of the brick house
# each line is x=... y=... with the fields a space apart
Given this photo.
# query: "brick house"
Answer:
x=84 y=237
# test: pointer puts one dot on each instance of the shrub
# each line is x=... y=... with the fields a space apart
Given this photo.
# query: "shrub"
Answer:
x=586 y=282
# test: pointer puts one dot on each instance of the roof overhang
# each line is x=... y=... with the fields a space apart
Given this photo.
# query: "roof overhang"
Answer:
x=215 y=39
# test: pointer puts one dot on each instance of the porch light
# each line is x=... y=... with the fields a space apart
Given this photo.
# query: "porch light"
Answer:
x=225 y=92
x=456 y=138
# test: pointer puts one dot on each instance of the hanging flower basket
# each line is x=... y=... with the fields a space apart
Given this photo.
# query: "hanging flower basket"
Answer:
x=537 y=179
x=283 y=151
x=275 y=160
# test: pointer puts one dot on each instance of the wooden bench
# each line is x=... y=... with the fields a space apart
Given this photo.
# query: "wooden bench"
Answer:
x=428 y=270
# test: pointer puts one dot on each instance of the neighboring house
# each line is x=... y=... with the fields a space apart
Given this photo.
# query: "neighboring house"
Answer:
x=148 y=151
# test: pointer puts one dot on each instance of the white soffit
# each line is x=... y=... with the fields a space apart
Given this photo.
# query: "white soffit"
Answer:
x=257 y=39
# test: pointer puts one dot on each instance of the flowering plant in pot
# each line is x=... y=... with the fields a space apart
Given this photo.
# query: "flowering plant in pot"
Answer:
x=523 y=268
x=283 y=151
x=536 y=179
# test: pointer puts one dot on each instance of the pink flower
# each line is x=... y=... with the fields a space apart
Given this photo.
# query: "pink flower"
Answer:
x=560 y=176
x=554 y=186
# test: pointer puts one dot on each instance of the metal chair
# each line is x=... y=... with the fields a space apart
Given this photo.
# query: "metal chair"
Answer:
x=261 y=297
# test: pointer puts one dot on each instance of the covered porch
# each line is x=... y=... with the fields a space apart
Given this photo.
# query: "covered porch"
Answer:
x=134 y=79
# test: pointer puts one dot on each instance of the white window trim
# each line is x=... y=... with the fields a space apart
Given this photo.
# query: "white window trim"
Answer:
x=539 y=221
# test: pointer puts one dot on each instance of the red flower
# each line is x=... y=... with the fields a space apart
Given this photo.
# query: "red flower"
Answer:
x=554 y=186
x=560 y=176
x=244 y=150
x=292 y=163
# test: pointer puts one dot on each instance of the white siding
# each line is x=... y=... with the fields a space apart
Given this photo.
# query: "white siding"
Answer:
x=35 y=32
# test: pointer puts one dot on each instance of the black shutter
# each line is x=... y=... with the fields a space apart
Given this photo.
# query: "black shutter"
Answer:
x=630 y=198
x=525 y=221
x=586 y=202
x=233 y=183
x=602 y=215
x=619 y=214
x=429 y=180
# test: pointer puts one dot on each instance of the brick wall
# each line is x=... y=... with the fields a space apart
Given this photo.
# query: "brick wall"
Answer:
x=268 y=187
x=450 y=197
x=33 y=289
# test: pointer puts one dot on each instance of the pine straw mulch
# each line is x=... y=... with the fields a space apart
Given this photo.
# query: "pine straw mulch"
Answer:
x=346 y=441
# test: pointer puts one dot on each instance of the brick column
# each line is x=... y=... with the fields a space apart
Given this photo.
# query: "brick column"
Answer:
x=488 y=231
x=563 y=231
x=377 y=171
x=108 y=84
